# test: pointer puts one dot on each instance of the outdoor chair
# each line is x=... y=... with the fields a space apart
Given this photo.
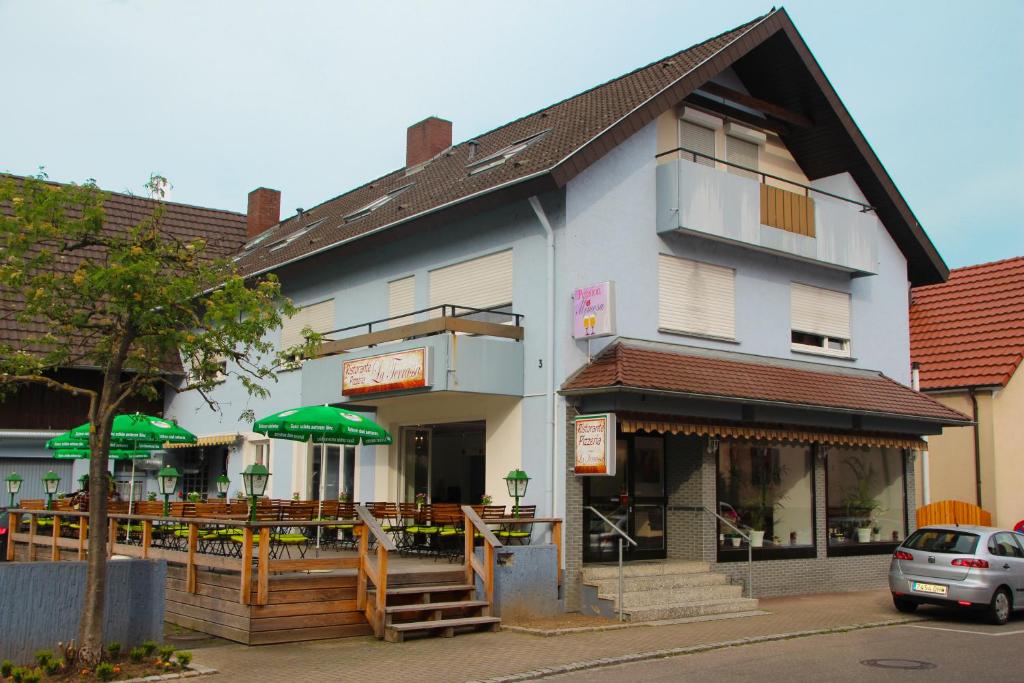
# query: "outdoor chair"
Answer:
x=343 y=532
x=518 y=533
x=388 y=516
x=450 y=520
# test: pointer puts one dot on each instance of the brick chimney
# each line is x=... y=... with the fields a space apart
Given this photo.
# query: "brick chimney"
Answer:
x=426 y=139
x=264 y=210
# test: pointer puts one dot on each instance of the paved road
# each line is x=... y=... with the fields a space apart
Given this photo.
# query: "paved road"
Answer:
x=942 y=649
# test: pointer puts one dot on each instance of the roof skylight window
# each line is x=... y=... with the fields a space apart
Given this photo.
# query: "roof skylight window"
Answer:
x=248 y=246
x=377 y=203
x=501 y=156
x=295 y=235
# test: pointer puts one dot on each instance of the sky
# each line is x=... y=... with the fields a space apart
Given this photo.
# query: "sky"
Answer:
x=313 y=98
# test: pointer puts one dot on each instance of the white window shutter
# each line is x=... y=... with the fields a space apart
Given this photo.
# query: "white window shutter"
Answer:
x=319 y=317
x=401 y=300
x=741 y=152
x=698 y=139
x=482 y=282
x=695 y=297
x=820 y=311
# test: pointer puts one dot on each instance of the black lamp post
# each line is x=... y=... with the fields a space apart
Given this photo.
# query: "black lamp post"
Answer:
x=51 y=480
x=13 y=482
x=168 y=478
x=255 y=478
x=517 y=481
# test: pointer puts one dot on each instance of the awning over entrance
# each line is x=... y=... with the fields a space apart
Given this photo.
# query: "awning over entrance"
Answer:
x=633 y=366
x=630 y=425
x=202 y=441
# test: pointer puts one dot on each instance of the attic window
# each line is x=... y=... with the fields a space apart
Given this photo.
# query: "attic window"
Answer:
x=377 y=203
x=501 y=156
x=248 y=246
x=295 y=235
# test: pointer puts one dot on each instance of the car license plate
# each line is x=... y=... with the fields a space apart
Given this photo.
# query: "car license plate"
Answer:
x=929 y=588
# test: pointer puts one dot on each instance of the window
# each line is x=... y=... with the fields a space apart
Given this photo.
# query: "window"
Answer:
x=768 y=489
x=865 y=496
x=484 y=282
x=295 y=235
x=743 y=153
x=697 y=139
x=696 y=298
x=319 y=317
x=376 y=203
x=401 y=300
x=819 y=320
x=500 y=157
x=943 y=541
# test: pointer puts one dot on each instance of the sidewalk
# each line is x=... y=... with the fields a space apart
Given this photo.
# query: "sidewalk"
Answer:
x=482 y=656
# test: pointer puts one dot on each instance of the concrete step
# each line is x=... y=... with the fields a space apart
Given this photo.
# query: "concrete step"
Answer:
x=395 y=633
x=671 y=610
x=597 y=572
x=677 y=596
x=659 y=582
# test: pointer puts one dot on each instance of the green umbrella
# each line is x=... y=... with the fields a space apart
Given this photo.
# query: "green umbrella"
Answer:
x=323 y=424
x=115 y=454
x=78 y=442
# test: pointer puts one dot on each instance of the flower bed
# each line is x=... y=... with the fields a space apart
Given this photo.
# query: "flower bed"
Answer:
x=149 y=659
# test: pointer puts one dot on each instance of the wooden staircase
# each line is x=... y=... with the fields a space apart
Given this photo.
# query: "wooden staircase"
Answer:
x=439 y=609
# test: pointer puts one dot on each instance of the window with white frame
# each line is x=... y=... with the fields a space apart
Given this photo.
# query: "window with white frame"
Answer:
x=697 y=138
x=319 y=317
x=484 y=283
x=696 y=298
x=819 y=320
x=401 y=300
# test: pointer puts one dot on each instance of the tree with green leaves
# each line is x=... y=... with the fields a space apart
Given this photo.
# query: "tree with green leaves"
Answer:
x=138 y=304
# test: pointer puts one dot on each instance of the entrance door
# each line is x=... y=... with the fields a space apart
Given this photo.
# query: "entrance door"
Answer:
x=445 y=461
x=634 y=499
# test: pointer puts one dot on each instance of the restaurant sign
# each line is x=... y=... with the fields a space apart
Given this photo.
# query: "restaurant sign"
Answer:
x=386 y=372
x=593 y=311
x=595 y=444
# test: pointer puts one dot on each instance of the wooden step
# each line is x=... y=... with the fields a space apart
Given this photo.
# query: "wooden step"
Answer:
x=395 y=633
x=413 y=590
x=424 y=606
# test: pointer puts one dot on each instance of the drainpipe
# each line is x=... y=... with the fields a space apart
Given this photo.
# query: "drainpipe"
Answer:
x=977 y=445
x=926 y=483
x=550 y=380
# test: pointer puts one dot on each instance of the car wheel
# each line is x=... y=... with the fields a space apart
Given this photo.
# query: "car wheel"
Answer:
x=999 y=610
x=904 y=605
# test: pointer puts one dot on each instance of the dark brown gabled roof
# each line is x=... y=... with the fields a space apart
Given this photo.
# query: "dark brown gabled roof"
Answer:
x=224 y=232
x=579 y=130
x=649 y=368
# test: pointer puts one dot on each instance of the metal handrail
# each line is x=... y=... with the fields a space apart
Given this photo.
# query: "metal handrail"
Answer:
x=622 y=535
x=864 y=208
x=444 y=308
x=750 y=548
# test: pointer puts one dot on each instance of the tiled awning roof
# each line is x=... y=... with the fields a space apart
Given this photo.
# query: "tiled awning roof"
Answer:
x=631 y=365
x=203 y=441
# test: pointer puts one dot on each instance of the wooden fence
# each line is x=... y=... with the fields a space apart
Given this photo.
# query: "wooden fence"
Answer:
x=952 y=512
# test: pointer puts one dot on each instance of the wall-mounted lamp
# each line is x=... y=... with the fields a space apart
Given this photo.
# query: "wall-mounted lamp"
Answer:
x=713 y=444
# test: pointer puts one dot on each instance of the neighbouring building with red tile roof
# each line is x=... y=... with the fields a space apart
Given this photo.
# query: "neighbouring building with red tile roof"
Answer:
x=967 y=339
x=34 y=413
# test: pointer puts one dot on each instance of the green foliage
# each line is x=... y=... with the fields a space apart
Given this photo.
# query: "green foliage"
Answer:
x=148 y=647
x=184 y=658
x=114 y=649
x=166 y=652
x=859 y=500
x=6 y=667
x=43 y=656
x=53 y=667
x=137 y=654
x=105 y=671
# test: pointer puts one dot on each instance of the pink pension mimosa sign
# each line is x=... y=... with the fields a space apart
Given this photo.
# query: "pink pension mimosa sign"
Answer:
x=593 y=311
x=595 y=444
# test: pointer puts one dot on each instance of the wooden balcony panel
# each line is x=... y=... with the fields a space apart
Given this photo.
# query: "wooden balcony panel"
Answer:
x=421 y=329
x=787 y=210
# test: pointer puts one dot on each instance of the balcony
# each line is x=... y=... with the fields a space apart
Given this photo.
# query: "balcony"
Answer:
x=765 y=212
x=455 y=348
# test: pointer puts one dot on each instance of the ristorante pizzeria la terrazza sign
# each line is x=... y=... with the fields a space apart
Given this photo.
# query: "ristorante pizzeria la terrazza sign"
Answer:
x=385 y=372
x=595 y=444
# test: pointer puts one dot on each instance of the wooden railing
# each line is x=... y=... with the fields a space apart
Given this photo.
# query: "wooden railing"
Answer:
x=474 y=567
x=256 y=536
x=377 y=574
x=787 y=210
x=952 y=512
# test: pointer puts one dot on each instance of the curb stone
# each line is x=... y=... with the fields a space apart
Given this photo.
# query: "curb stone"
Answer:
x=535 y=674
x=193 y=671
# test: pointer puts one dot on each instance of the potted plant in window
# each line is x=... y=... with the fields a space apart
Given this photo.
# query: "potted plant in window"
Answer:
x=859 y=502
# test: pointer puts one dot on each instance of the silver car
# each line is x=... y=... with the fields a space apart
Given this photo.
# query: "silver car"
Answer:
x=967 y=566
